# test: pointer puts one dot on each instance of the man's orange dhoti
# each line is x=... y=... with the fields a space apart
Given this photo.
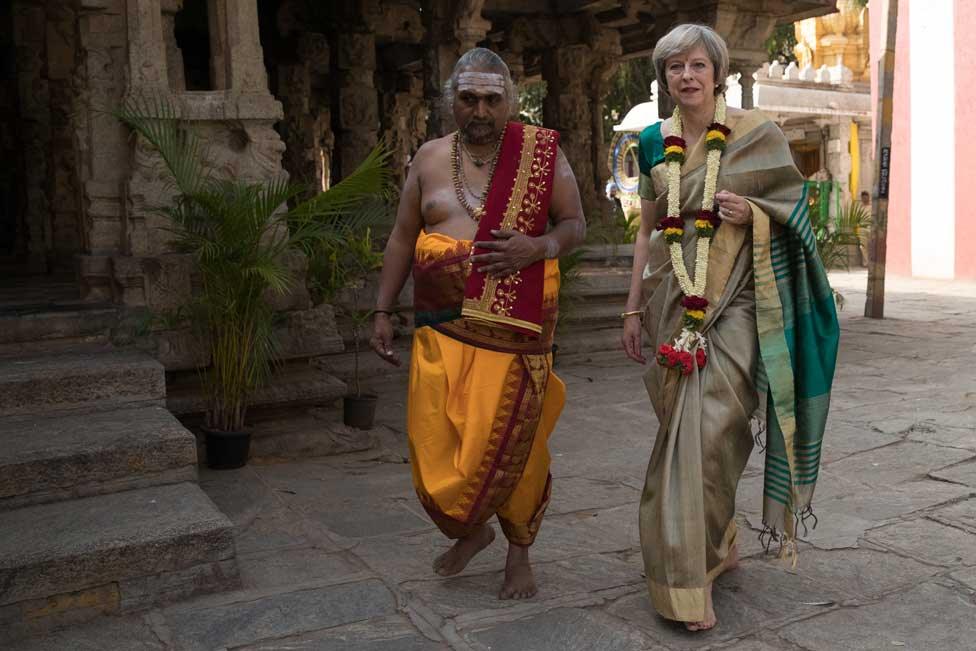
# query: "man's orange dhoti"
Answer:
x=479 y=417
x=483 y=399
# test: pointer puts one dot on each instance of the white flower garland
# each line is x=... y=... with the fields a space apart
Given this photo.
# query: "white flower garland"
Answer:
x=694 y=287
x=689 y=347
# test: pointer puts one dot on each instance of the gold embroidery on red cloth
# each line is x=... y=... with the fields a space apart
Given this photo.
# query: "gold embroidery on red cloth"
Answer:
x=506 y=293
x=536 y=160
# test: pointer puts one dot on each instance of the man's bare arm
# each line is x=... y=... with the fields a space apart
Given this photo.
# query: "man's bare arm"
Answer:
x=565 y=211
x=513 y=250
x=397 y=259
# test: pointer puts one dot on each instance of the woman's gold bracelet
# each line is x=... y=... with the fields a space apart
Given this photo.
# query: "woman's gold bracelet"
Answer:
x=624 y=315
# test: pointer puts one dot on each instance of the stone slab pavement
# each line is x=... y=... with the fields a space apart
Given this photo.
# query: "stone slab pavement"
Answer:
x=335 y=552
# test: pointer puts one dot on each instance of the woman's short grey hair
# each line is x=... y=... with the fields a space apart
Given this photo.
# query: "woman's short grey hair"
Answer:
x=684 y=38
x=485 y=60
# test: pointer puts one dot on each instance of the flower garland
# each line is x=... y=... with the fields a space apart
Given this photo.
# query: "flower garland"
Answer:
x=688 y=349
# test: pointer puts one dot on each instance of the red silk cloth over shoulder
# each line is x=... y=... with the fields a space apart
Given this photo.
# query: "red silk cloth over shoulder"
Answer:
x=518 y=199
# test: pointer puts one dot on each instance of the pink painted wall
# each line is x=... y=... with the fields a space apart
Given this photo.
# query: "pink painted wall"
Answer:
x=965 y=24
x=899 y=250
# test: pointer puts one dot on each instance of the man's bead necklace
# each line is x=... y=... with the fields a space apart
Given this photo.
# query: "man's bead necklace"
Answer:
x=460 y=182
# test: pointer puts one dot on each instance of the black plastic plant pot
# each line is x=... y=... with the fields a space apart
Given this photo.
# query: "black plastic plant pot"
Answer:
x=226 y=450
x=359 y=411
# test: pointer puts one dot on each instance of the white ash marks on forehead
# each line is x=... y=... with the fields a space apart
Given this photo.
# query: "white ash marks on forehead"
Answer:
x=485 y=82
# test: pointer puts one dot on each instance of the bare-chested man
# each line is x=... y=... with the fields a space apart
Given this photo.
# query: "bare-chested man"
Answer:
x=472 y=228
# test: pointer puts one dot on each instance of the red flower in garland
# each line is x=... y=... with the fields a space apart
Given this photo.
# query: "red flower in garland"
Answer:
x=687 y=363
x=671 y=222
x=674 y=141
x=694 y=302
x=700 y=357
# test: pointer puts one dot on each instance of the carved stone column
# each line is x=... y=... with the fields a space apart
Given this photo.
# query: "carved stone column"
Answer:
x=236 y=123
x=469 y=26
x=306 y=129
x=242 y=52
x=404 y=119
x=358 y=99
x=104 y=63
x=452 y=28
x=174 y=56
x=147 y=50
x=839 y=156
x=606 y=51
x=748 y=83
x=29 y=28
x=568 y=109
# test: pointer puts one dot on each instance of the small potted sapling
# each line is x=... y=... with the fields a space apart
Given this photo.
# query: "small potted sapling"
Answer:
x=342 y=277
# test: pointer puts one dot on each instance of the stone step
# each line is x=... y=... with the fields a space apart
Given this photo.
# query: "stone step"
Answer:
x=52 y=458
x=589 y=340
x=294 y=384
x=595 y=309
x=112 y=553
x=28 y=323
x=40 y=384
x=608 y=255
x=610 y=281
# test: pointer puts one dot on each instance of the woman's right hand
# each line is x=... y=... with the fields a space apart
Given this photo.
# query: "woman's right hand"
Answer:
x=631 y=339
x=382 y=340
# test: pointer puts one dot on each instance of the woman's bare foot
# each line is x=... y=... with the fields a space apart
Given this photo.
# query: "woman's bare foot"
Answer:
x=710 y=621
x=731 y=562
x=457 y=557
x=519 y=581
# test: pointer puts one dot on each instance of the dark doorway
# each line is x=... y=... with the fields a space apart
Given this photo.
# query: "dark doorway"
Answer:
x=12 y=233
x=192 y=30
x=807 y=158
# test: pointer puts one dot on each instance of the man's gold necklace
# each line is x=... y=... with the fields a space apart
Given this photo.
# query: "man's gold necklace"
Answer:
x=478 y=161
x=461 y=182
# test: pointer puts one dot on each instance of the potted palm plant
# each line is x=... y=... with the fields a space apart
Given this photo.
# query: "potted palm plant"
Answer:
x=836 y=242
x=240 y=235
x=340 y=273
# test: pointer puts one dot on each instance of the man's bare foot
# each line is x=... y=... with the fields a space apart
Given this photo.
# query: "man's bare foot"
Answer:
x=710 y=621
x=457 y=557
x=519 y=581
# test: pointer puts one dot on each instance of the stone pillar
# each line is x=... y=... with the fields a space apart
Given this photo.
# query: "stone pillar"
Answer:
x=241 y=47
x=30 y=28
x=469 y=26
x=747 y=82
x=103 y=146
x=605 y=49
x=62 y=181
x=147 y=50
x=306 y=128
x=358 y=99
x=568 y=109
x=452 y=28
x=839 y=157
x=404 y=118
x=866 y=148
x=236 y=123
x=174 y=56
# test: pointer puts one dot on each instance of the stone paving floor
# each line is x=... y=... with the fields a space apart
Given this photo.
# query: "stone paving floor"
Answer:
x=335 y=552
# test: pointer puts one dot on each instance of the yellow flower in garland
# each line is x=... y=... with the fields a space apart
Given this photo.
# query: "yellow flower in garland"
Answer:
x=674 y=149
x=716 y=136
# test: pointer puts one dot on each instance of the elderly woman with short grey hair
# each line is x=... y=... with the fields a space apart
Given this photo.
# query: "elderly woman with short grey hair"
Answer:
x=729 y=290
